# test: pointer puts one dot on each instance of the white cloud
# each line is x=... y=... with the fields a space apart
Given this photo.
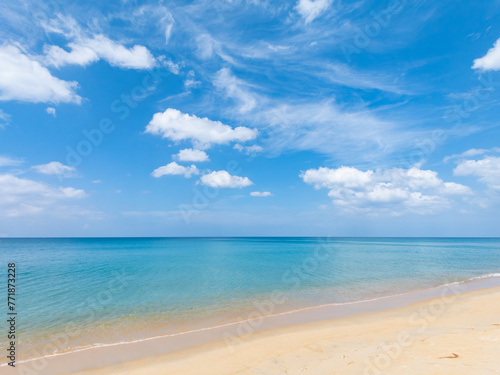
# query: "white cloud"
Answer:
x=86 y=47
x=55 y=168
x=20 y=197
x=51 y=111
x=222 y=179
x=191 y=82
x=260 y=194
x=393 y=190
x=236 y=89
x=24 y=79
x=156 y=15
x=175 y=169
x=487 y=169
x=311 y=9
x=171 y=66
x=6 y=161
x=4 y=119
x=168 y=29
x=326 y=177
x=84 y=51
x=471 y=152
x=456 y=189
x=249 y=150
x=78 y=55
x=490 y=61
x=414 y=178
x=188 y=154
x=208 y=47
x=69 y=192
x=178 y=126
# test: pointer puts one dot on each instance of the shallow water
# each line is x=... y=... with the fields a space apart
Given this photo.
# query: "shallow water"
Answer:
x=77 y=292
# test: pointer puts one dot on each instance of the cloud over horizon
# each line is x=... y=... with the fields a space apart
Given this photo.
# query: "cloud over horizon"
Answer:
x=394 y=191
x=21 y=196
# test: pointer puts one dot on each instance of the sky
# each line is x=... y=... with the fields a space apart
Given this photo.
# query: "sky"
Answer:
x=249 y=118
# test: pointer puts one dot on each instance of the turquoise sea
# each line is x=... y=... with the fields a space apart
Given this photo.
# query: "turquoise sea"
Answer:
x=72 y=293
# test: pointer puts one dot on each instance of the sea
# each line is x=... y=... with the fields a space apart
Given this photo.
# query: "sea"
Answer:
x=75 y=293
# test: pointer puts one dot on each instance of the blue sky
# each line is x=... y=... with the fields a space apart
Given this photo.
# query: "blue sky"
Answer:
x=234 y=118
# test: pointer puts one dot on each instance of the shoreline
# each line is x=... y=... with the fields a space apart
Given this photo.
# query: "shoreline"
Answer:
x=105 y=355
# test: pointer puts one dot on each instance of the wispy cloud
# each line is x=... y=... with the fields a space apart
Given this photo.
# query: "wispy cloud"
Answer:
x=260 y=194
x=236 y=89
x=4 y=119
x=311 y=9
x=344 y=75
x=472 y=152
x=51 y=111
x=331 y=129
x=56 y=168
x=21 y=197
x=6 y=161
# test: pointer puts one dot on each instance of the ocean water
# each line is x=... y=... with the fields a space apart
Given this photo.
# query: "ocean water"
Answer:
x=74 y=293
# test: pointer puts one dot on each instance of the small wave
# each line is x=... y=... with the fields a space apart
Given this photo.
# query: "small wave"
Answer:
x=485 y=276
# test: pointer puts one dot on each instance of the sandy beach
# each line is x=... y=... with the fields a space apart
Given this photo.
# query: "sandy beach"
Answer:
x=455 y=333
